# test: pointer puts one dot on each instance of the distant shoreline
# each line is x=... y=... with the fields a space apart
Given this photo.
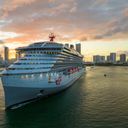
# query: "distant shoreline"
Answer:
x=107 y=65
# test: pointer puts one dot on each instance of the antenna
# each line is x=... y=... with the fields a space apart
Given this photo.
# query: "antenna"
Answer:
x=52 y=37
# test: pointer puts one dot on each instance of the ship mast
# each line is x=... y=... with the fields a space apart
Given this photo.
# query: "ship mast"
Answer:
x=52 y=37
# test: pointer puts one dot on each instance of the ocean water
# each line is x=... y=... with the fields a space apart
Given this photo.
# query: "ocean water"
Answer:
x=94 y=101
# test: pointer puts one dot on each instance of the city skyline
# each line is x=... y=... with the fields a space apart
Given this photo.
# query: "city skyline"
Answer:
x=5 y=56
x=111 y=58
x=101 y=26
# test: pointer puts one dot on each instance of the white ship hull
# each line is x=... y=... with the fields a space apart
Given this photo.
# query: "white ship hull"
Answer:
x=22 y=88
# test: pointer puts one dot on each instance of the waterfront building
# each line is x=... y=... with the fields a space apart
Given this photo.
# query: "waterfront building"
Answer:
x=1 y=59
x=72 y=46
x=102 y=59
x=67 y=45
x=112 y=57
x=6 y=54
x=123 y=58
x=78 y=47
x=96 y=59
x=108 y=58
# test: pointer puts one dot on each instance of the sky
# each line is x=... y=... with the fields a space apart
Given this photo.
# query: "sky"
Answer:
x=101 y=26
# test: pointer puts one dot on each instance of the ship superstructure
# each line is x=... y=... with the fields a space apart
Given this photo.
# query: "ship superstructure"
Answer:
x=43 y=68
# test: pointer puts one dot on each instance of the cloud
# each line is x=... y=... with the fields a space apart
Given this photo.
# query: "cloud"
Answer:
x=122 y=52
x=10 y=5
x=1 y=42
x=83 y=38
x=6 y=35
x=125 y=12
x=115 y=28
x=71 y=20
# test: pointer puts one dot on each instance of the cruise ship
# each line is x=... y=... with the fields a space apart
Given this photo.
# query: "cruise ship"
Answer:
x=42 y=69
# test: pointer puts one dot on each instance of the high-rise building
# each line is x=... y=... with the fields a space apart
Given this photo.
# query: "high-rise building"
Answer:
x=71 y=46
x=67 y=45
x=78 y=48
x=108 y=59
x=6 y=54
x=96 y=59
x=113 y=57
x=102 y=59
x=123 y=58
x=1 y=59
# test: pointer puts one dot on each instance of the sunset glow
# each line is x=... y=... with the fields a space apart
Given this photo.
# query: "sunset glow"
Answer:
x=101 y=26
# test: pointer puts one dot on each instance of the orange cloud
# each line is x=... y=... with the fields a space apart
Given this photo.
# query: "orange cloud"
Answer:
x=12 y=5
x=70 y=20
x=126 y=12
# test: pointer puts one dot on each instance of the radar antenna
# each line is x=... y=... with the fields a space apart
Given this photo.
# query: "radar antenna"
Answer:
x=52 y=37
